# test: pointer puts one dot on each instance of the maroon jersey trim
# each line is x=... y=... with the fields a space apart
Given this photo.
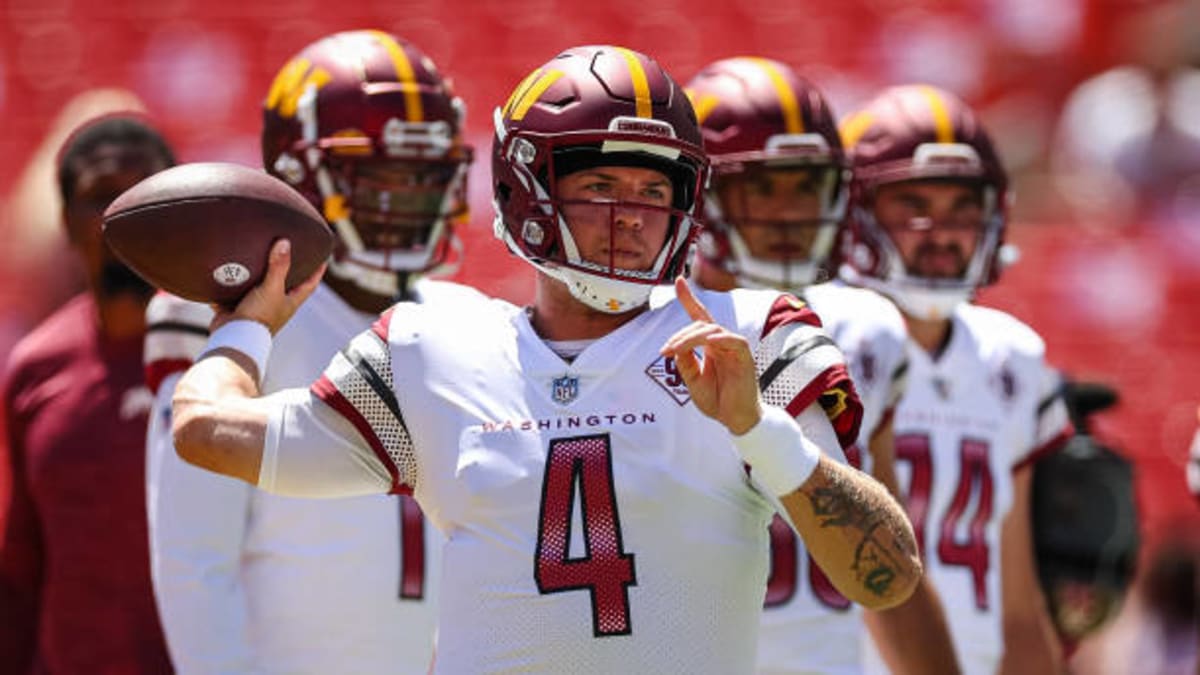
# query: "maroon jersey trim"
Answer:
x=835 y=391
x=329 y=394
x=789 y=309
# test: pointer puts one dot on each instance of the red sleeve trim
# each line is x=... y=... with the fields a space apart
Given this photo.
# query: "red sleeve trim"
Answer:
x=834 y=380
x=789 y=309
x=325 y=390
x=157 y=371
x=381 y=325
x=1048 y=448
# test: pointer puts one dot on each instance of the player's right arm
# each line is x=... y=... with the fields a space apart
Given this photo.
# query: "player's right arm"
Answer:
x=291 y=442
x=197 y=519
x=219 y=421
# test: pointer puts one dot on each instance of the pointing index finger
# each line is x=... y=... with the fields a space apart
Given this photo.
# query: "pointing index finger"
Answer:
x=691 y=304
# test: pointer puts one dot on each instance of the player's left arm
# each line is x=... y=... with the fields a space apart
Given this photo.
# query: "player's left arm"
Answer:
x=1030 y=645
x=913 y=638
x=853 y=528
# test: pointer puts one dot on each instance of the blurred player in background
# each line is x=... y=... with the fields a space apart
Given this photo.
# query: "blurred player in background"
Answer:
x=589 y=472
x=927 y=218
x=364 y=125
x=75 y=592
x=778 y=195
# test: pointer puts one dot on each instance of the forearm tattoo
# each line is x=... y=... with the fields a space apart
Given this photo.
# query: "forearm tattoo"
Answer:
x=878 y=555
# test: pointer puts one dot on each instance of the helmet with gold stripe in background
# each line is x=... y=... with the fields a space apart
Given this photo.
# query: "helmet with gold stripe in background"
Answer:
x=780 y=179
x=364 y=126
x=589 y=107
x=921 y=134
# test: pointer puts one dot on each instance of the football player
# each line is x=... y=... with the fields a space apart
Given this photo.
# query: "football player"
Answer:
x=777 y=198
x=927 y=219
x=604 y=472
x=364 y=125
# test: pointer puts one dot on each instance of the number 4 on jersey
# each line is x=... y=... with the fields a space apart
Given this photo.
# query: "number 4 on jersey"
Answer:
x=605 y=569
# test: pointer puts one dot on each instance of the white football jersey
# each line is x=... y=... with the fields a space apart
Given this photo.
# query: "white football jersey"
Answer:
x=807 y=626
x=986 y=406
x=248 y=581
x=596 y=521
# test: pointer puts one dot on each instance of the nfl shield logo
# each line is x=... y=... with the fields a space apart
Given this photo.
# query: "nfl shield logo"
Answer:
x=565 y=389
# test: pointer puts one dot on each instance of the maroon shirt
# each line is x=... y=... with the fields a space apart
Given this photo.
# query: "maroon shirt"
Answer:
x=75 y=592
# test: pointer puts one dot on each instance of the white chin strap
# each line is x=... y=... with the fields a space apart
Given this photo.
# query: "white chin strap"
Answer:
x=755 y=272
x=927 y=303
x=610 y=296
x=370 y=279
x=918 y=301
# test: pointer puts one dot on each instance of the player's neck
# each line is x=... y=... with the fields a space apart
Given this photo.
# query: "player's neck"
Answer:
x=556 y=315
x=122 y=316
x=358 y=297
x=932 y=336
x=711 y=277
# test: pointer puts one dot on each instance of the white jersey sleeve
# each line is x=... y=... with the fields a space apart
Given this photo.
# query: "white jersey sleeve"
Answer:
x=1053 y=422
x=176 y=331
x=871 y=332
x=196 y=523
x=799 y=364
x=345 y=436
x=195 y=518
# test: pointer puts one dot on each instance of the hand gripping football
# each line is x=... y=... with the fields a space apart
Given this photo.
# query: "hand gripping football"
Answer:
x=202 y=231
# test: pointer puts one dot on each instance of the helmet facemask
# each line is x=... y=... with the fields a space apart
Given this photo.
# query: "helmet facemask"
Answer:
x=545 y=237
x=393 y=216
x=922 y=295
x=748 y=236
x=392 y=189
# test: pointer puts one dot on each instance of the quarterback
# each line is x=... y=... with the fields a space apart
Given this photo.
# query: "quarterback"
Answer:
x=603 y=472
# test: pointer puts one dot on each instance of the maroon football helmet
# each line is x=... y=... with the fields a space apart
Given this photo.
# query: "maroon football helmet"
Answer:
x=913 y=133
x=588 y=107
x=759 y=117
x=364 y=126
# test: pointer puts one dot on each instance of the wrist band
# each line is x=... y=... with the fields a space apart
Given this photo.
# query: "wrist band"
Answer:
x=246 y=336
x=781 y=458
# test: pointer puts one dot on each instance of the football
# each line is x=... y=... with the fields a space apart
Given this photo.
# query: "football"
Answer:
x=202 y=231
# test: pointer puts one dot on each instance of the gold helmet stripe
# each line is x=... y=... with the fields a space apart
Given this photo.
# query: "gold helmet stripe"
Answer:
x=520 y=91
x=787 y=98
x=854 y=126
x=641 y=87
x=404 y=72
x=703 y=105
x=291 y=82
x=943 y=126
x=534 y=92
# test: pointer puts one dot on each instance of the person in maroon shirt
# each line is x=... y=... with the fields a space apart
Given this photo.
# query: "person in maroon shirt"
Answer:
x=75 y=592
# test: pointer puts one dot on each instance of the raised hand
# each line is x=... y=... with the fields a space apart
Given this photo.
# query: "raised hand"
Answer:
x=724 y=383
x=270 y=303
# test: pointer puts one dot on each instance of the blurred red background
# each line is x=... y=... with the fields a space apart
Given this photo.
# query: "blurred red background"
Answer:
x=1115 y=297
